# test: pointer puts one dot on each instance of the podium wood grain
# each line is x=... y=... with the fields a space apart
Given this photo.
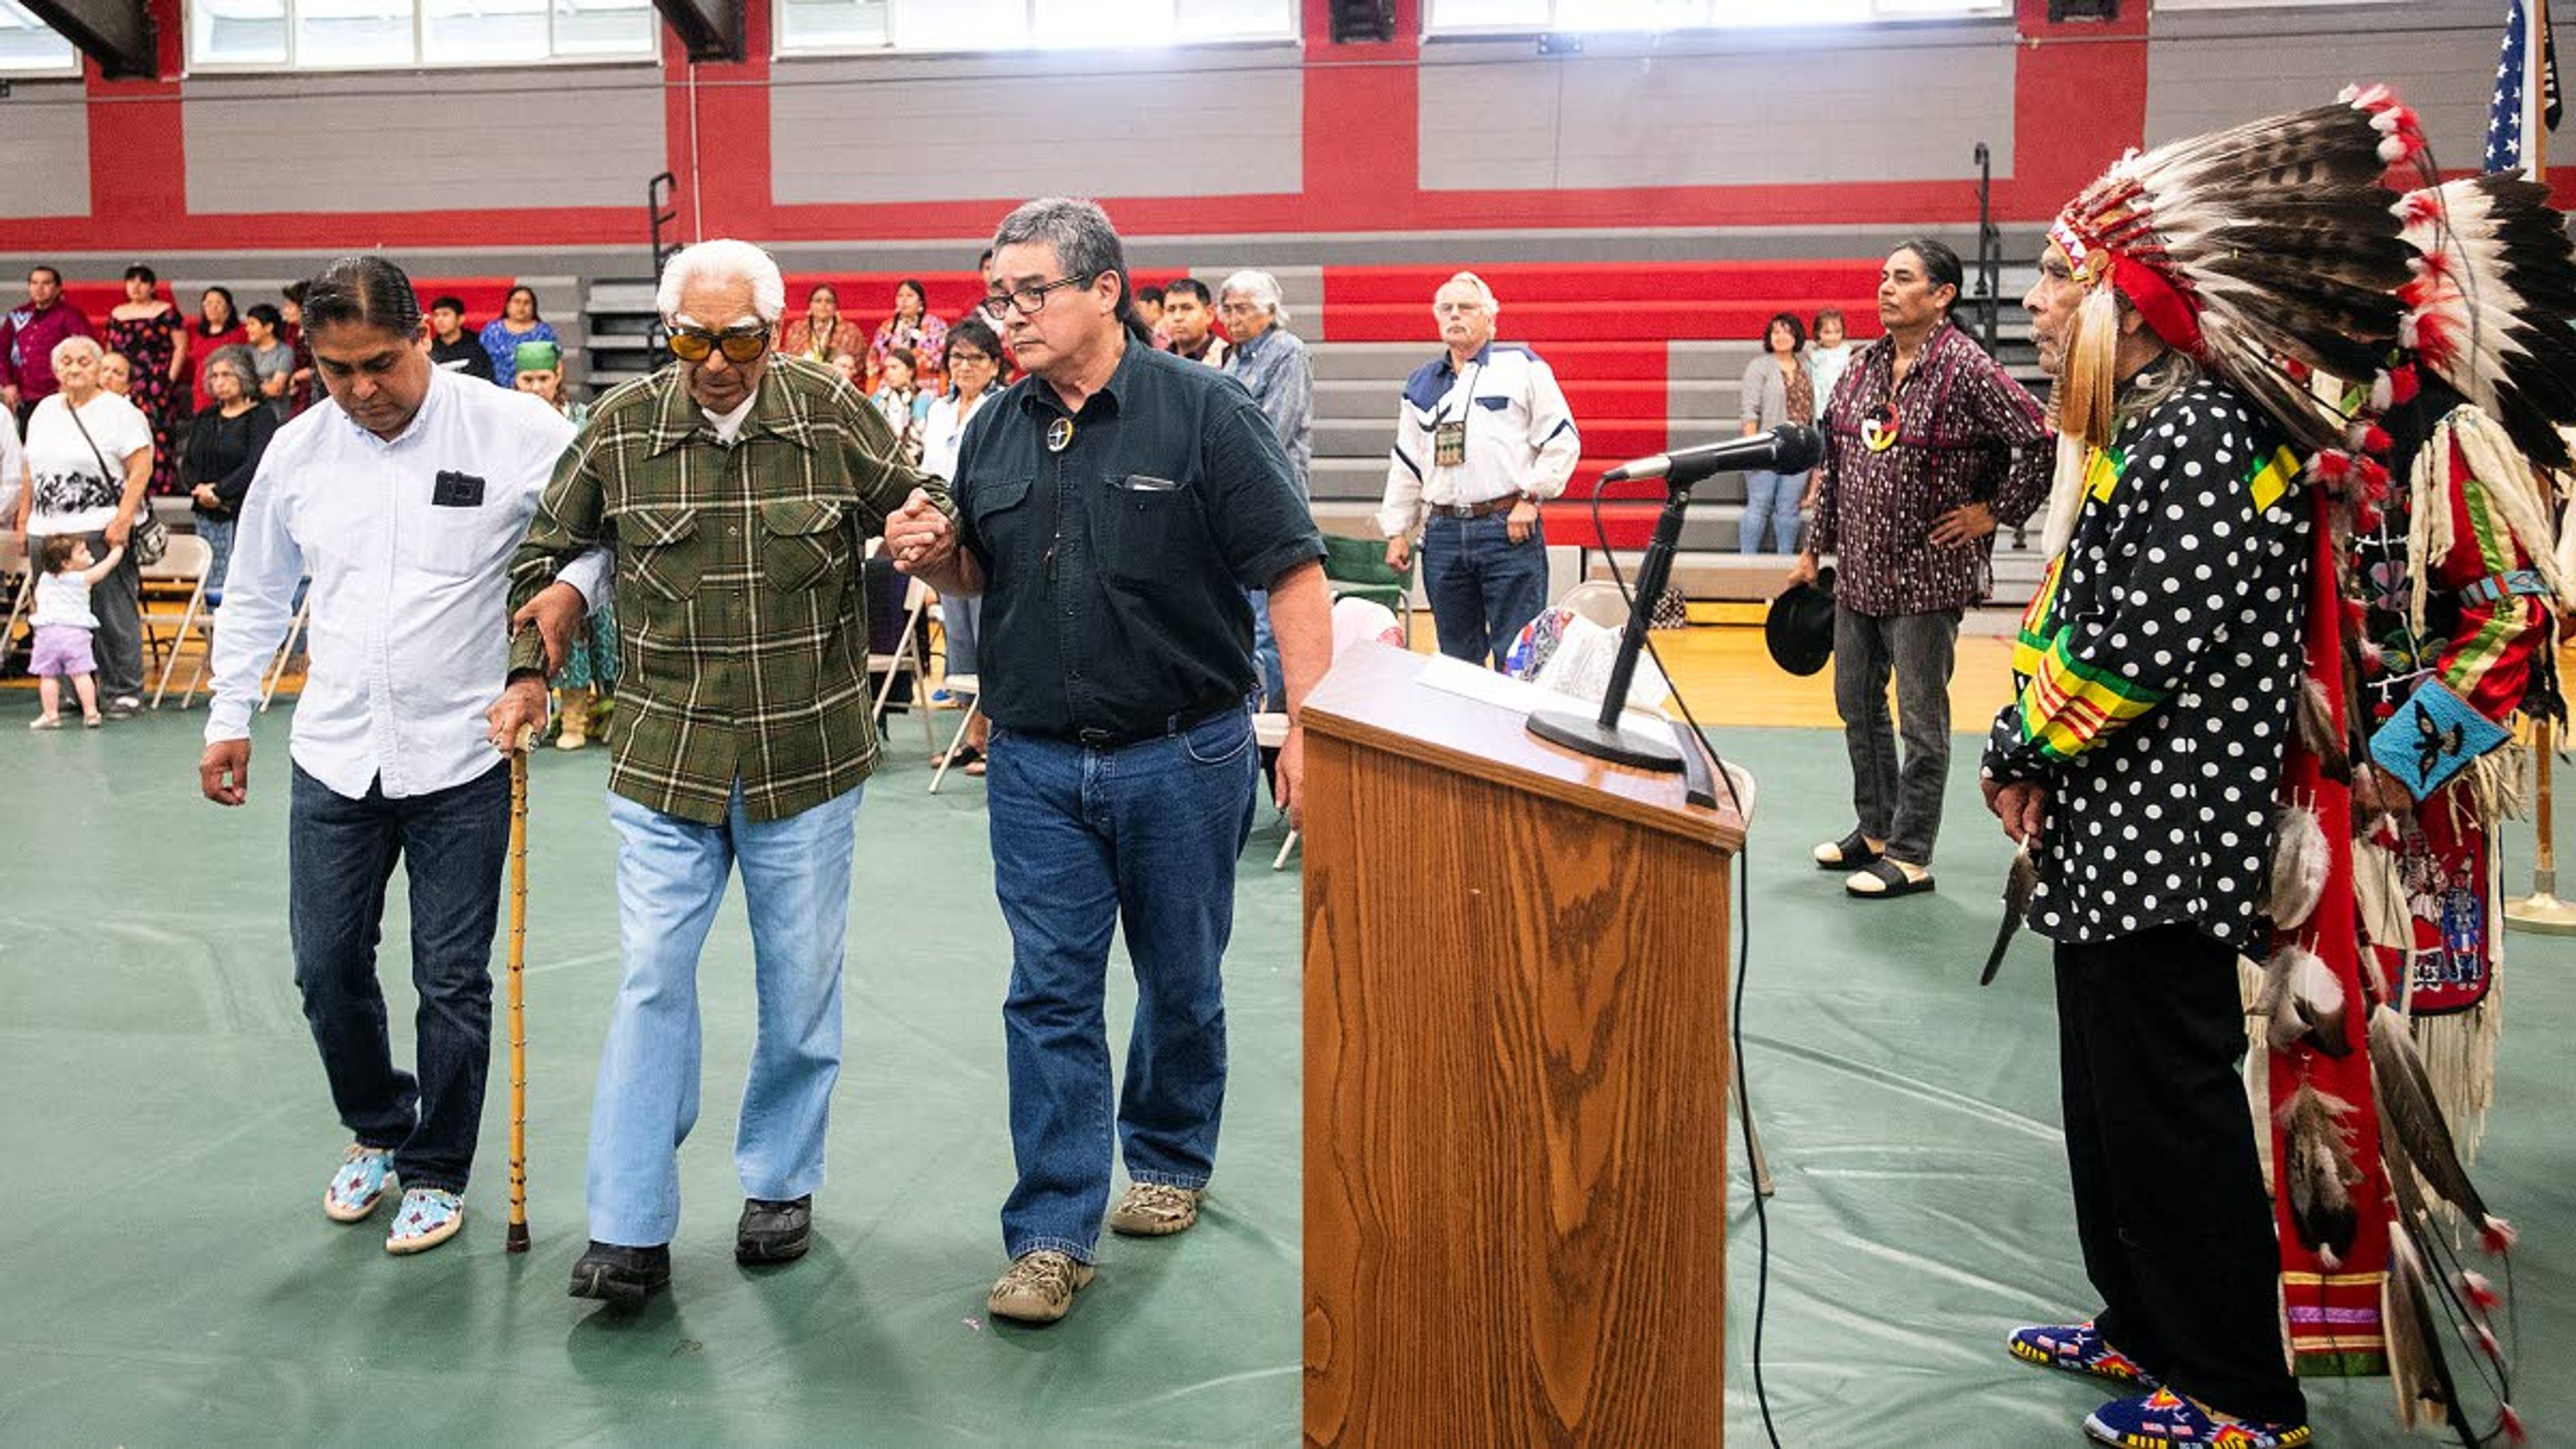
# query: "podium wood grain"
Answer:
x=1516 y=1074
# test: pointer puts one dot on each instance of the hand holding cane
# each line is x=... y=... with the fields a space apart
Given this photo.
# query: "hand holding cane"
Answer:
x=518 y=1236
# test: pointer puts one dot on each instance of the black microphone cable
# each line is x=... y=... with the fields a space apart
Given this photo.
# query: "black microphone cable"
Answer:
x=1735 y=1012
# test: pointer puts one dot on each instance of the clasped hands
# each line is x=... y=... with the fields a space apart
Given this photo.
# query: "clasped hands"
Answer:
x=918 y=537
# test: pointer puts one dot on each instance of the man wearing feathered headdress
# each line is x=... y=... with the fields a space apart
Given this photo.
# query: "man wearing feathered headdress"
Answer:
x=2157 y=668
x=2180 y=759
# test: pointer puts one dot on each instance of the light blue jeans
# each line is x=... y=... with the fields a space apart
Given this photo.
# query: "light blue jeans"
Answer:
x=670 y=878
x=1770 y=508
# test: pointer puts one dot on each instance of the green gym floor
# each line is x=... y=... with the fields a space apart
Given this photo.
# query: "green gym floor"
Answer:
x=169 y=1279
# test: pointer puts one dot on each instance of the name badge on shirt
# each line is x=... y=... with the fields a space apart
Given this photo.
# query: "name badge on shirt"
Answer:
x=1449 y=443
x=456 y=490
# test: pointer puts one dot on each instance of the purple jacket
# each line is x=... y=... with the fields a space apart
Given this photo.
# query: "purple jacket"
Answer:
x=27 y=341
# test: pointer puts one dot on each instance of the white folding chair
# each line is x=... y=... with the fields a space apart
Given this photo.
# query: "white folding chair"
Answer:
x=186 y=562
x=285 y=651
x=1269 y=732
x=967 y=685
x=18 y=579
x=905 y=662
x=1355 y=621
x=1598 y=600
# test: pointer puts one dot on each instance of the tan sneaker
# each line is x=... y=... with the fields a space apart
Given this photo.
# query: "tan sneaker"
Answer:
x=1155 y=1210
x=1039 y=1287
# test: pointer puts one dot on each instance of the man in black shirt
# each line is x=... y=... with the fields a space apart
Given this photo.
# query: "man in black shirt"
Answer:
x=451 y=347
x=1113 y=506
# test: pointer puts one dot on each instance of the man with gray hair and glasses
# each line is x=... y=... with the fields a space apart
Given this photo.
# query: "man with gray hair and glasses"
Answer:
x=1113 y=507
x=1272 y=364
x=739 y=488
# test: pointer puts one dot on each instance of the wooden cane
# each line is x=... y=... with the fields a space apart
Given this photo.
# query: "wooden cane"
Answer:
x=517 y=1241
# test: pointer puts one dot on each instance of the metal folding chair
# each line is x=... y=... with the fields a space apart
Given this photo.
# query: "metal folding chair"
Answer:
x=187 y=562
x=905 y=661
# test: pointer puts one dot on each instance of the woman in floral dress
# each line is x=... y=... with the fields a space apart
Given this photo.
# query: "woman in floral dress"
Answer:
x=154 y=340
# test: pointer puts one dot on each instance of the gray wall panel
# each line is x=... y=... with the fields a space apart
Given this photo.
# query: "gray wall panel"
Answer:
x=1898 y=106
x=2208 y=69
x=47 y=125
x=512 y=138
x=1215 y=124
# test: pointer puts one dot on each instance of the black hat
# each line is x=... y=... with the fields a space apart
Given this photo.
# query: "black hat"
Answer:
x=1799 y=630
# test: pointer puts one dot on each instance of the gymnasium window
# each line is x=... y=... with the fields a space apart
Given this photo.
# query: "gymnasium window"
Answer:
x=847 y=27
x=29 y=47
x=352 y=34
x=1522 y=17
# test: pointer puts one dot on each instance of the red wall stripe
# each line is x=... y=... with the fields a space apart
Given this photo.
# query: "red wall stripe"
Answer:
x=2080 y=99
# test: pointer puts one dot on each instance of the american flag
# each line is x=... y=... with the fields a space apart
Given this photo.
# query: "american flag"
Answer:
x=2504 y=118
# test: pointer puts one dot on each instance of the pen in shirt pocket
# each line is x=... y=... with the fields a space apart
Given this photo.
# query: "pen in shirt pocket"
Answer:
x=1146 y=483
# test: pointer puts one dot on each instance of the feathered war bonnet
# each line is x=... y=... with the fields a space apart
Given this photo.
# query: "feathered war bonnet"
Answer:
x=2261 y=252
x=2489 y=309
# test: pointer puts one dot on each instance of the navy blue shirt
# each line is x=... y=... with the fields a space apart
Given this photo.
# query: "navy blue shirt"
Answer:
x=1114 y=568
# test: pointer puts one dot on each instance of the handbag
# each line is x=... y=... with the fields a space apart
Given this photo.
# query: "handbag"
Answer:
x=149 y=539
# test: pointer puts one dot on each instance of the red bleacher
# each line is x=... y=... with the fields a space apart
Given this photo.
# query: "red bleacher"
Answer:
x=1603 y=327
x=482 y=296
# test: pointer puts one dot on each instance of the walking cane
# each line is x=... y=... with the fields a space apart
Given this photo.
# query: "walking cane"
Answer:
x=518 y=1237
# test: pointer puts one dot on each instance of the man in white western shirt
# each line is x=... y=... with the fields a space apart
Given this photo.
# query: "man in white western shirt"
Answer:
x=402 y=500
x=1482 y=436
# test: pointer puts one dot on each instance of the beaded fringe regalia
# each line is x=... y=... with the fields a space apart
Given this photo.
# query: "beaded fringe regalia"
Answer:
x=2276 y=255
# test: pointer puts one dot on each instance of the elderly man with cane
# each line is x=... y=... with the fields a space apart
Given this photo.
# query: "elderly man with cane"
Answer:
x=740 y=488
x=401 y=500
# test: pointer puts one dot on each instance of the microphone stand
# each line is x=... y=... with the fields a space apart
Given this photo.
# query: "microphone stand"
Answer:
x=1603 y=738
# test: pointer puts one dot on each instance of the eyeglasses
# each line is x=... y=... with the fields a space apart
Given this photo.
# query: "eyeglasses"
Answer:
x=1456 y=309
x=961 y=357
x=692 y=344
x=1028 y=300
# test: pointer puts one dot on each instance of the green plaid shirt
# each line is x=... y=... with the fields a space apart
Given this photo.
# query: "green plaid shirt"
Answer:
x=742 y=634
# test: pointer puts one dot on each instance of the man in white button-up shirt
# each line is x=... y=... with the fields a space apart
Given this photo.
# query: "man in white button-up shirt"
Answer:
x=402 y=499
x=1483 y=434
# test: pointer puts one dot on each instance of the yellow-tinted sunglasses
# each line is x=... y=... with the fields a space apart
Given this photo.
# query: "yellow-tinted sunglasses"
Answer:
x=690 y=344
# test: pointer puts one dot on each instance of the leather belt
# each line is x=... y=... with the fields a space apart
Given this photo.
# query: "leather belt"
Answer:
x=1182 y=723
x=1486 y=509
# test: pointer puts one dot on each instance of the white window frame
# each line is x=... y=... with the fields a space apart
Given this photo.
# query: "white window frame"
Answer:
x=893 y=45
x=651 y=53
x=69 y=69
x=1564 y=19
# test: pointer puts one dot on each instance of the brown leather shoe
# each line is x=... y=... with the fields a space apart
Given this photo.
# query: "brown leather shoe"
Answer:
x=1039 y=1288
x=1155 y=1210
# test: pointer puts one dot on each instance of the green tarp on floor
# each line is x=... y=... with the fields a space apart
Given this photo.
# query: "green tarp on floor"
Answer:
x=166 y=1277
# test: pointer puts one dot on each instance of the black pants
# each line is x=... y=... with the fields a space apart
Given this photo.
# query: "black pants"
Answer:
x=2170 y=1203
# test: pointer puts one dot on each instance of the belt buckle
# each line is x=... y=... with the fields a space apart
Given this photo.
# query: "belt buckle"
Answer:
x=1093 y=739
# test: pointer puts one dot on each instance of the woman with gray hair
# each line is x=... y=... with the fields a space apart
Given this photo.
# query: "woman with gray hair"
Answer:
x=224 y=444
x=89 y=455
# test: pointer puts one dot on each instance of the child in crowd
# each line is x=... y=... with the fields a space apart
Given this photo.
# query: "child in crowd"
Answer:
x=64 y=625
x=903 y=405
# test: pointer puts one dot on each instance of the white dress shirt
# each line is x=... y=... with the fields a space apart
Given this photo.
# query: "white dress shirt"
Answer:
x=945 y=432
x=410 y=567
x=1520 y=435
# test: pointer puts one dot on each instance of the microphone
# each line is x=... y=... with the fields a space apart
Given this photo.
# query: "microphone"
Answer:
x=1788 y=448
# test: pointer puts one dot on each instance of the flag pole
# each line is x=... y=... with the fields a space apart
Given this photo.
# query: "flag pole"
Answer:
x=2540 y=912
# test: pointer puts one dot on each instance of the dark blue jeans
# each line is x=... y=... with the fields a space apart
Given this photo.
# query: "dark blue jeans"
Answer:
x=1484 y=588
x=1083 y=840
x=340 y=853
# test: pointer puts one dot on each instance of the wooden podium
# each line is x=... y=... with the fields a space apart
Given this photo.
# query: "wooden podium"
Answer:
x=1516 y=1079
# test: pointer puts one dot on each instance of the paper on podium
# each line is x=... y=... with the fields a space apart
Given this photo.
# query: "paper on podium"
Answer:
x=1456 y=676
